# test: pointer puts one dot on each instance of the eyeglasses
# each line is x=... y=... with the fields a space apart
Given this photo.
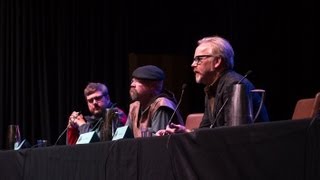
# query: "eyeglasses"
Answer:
x=199 y=58
x=97 y=99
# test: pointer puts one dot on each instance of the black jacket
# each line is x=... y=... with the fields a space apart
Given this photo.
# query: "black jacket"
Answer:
x=221 y=90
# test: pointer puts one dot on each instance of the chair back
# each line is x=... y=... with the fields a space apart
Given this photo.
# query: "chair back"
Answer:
x=307 y=108
x=193 y=120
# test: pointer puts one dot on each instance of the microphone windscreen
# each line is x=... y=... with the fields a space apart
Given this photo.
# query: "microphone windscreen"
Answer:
x=184 y=85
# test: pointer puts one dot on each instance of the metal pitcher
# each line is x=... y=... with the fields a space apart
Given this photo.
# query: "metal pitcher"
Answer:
x=13 y=137
x=241 y=108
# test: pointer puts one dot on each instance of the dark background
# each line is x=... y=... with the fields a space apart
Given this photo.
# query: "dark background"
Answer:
x=50 y=50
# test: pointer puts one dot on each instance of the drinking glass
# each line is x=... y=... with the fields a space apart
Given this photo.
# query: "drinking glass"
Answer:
x=145 y=132
x=42 y=143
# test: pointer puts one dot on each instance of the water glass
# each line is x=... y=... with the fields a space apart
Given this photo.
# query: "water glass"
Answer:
x=42 y=143
x=145 y=132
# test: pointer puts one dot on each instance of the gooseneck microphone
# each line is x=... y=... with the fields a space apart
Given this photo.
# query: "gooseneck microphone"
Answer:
x=240 y=81
x=225 y=102
x=175 y=110
x=98 y=124
x=63 y=132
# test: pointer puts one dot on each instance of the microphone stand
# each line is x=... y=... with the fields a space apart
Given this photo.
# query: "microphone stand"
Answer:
x=225 y=102
x=63 y=132
x=175 y=110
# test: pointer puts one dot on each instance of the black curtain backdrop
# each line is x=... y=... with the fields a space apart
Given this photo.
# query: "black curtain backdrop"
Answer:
x=50 y=50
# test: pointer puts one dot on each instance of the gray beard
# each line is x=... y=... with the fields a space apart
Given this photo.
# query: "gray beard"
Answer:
x=133 y=95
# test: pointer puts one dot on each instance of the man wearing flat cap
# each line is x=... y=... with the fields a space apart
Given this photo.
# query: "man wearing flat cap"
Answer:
x=152 y=106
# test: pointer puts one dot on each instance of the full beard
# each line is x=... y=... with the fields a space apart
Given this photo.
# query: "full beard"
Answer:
x=98 y=111
x=133 y=94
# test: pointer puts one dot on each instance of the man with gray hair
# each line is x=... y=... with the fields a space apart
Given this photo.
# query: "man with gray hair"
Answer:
x=212 y=65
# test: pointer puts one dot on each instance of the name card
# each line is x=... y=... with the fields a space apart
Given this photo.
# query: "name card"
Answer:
x=122 y=132
x=24 y=144
x=88 y=137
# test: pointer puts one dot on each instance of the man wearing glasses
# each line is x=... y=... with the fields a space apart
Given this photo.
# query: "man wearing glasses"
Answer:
x=98 y=101
x=213 y=66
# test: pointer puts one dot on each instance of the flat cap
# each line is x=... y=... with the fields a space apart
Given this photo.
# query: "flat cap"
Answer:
x=149 y=72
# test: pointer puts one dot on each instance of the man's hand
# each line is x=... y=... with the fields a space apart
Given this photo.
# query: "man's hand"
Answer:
x=75 y=120
x=172 y=129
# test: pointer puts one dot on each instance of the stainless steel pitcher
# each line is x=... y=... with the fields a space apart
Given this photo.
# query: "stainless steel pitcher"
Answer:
x=241 y=108
x=13 y=137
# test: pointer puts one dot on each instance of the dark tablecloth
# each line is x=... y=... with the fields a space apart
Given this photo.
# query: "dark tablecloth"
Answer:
x=271 y=151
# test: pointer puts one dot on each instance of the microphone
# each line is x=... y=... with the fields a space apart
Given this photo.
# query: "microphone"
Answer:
x=225 y=102
x=103 y=118
x=63 y=132
x=240 y=81
x=175 y=110
x=219 y=112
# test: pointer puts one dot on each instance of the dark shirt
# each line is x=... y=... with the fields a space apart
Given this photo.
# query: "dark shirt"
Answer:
x=99 y=125
x=156 y=116
x=219 y=93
